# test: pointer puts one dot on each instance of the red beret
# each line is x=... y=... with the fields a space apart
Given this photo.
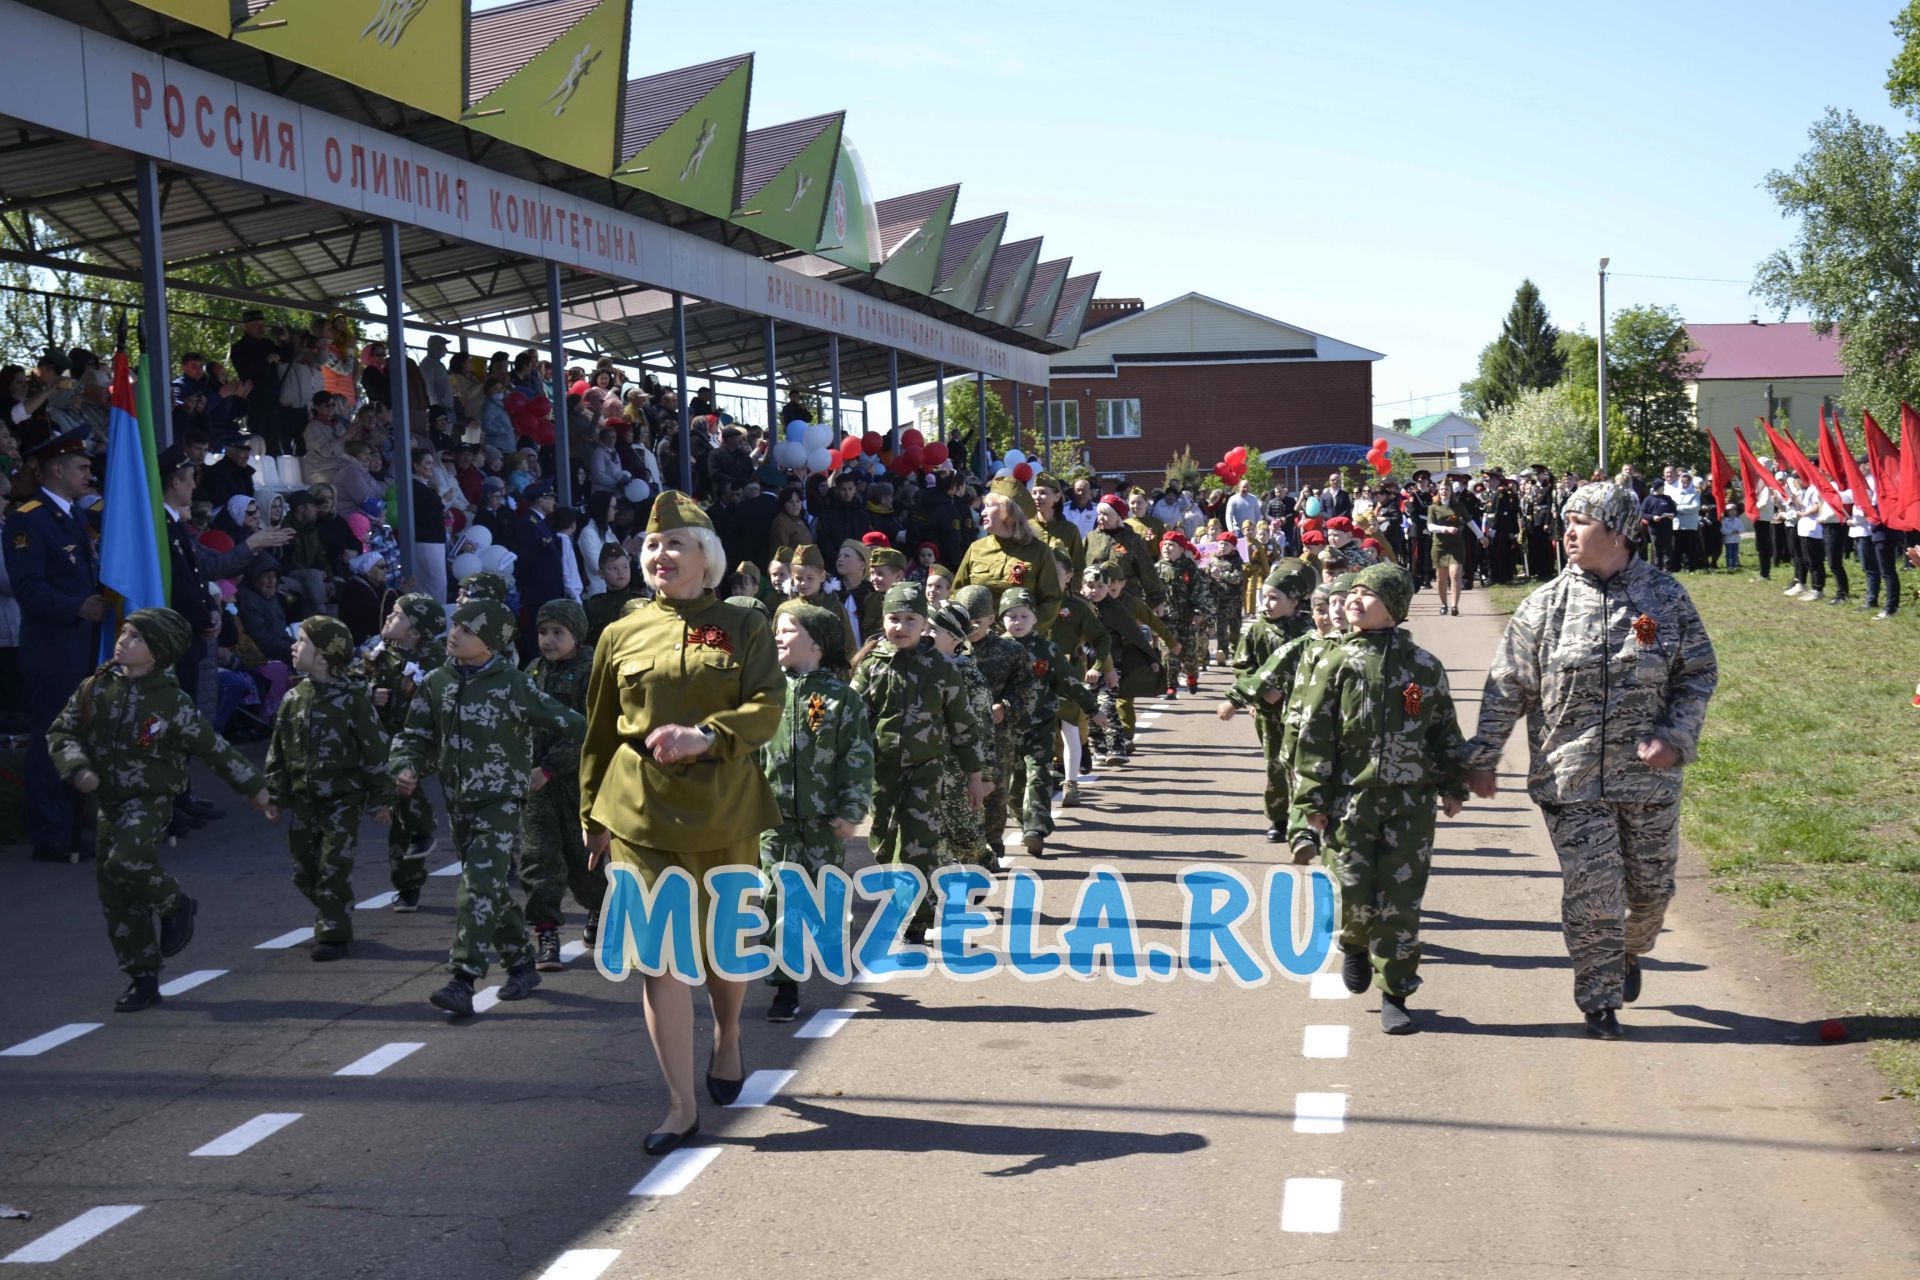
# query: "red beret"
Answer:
x=1340 y=522
x=1313 y=538
x=1118 y=503
x=1228 y=537
x=874 y=538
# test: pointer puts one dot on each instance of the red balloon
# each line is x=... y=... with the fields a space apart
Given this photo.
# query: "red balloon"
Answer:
x=872 y=443
x=1380 y=444
x=934 y=454
x=911 y=437
x=516 y=401
x=1220 y=469
x=912 y=453
x=541 y=406
x=1023 y=473
x=900 y=466
x=851 y=448
x=1382 y=466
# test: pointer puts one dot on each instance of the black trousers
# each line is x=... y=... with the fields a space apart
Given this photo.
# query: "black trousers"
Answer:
x=1882 y=556
x=1809 y=563
x=1540 y=557
x=1662 y=547
x=1763 y=533
x=53 y=807
x=1839 y=547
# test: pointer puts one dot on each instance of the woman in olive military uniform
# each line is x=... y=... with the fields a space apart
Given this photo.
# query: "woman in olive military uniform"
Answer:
x=1011 y=554
x=685 y=689
x=1052 y=523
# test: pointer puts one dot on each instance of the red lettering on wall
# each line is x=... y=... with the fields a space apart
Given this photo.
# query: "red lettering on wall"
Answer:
x=142 y=98
x=202 y=116
x=286 y=144
x=173 y=109
x=236 y=141
x=333 y=159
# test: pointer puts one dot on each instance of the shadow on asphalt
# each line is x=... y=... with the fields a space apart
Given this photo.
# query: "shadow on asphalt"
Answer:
x=1452 y=955
x=1714 y=1026
x=1439 y=870
x=1432 y=919
x=1034 y=1149
x=889 y=1005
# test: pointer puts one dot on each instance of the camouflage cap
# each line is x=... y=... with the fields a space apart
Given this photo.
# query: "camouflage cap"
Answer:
x=490 y=620
x=331 y=638
x=426 y=614
x=823 y=625
x=976 y=600
x=1015 y=598
x=568 y=614
x=1342 y=583
x=905 y=597
x=1392 y=584
x=808 y=557
x=485 y=585
x=1293 y=577
x=165 y=632
x=886 y=558
x=1612 y=505
x=675 y=510
x=1016 y=493
x=953 y=618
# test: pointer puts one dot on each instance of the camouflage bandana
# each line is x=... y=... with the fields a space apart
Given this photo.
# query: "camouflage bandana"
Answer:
x=568 y=614
x=420 y=609
x=820 y=624
x=490 y=620
x=1392 y=584
x=976 y=600
x=1294 y=578
x=331 y=637
x=1612 y=505
x=953 y=619
x=905 y=597
x=1015 y=598
x=485 y=585
x=166 y=633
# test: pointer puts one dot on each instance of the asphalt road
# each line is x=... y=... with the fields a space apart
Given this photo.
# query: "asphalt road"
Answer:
x=931 y=1127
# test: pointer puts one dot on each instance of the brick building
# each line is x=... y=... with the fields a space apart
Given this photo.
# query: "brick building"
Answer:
x=1195 y=372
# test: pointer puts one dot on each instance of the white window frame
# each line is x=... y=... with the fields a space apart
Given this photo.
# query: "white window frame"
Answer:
x=1058 y=414
x=1103 y=414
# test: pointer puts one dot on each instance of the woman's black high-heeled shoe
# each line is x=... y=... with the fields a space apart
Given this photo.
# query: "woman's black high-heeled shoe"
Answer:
x=659 y=1144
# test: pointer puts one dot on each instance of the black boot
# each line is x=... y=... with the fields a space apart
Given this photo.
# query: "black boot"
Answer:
x=456 y=997
x=546 y=949
x=521 y=980
x=590 y=932
x=142 y=993
x=1631 y=990
x=1356 y=970
x=176 y=930
x=199 y=808
x=1604 y=1024
x=1394 y=1018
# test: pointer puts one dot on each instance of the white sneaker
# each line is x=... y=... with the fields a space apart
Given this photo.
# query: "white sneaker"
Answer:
x=1793 y=590
x=1809 y=597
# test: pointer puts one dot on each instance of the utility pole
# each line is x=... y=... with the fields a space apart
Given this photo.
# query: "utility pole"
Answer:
x=1604 y=469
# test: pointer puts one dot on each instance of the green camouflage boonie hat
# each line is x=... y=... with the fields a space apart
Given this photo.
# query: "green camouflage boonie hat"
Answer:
x=568 y=614
x=1293 y=577
x=1392 y=584
x=166 y=633
x=976 y=600
x=485 y=585
x=821 y=624
x=905 y=597
x=1342 y=584
x=491 y=620
x=1016 y=598
x=427 y=615
x=1612 y=505
x=331 y=637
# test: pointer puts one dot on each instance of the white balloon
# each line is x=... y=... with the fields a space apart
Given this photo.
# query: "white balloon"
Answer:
x=1004 y=473
x=1014 y=457
x=818 y=436
x=820 y=459
x=493 y=559
x=637 y=490
x=466 y=566
x=478 y=537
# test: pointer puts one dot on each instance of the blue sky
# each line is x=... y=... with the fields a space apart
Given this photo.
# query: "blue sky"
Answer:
x=1381 y=173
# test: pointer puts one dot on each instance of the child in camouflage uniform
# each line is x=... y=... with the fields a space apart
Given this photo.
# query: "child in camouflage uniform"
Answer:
x=819 y=763
x=962 y=837
x=1053 y=685
x=1137 y=670
x=1187 y=608
x=1378 y=744
x=616 y=570
x=918 y=709
x=1009 y=675
x=1226 y=577
x=325 y=763
x=1263 y=680
x=553 y=856
x=392 y=668
x=1087 y=650
x=473 y=721
x=126 y=733
x=485 y=585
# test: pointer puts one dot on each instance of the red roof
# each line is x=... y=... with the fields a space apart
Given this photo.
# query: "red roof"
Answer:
x=1722 y=351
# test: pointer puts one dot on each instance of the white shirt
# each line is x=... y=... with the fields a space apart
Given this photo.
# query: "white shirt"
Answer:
x=66 y=508
x=569 y=572
x=1083 y=520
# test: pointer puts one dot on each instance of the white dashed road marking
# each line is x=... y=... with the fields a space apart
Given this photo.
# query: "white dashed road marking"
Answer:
x=1319 y=1112
x=188 y=981
x=1311 y=1205
x=51 y=1040
x=380 y=1059
x=63 y=1240
x=1328 y=986
x=1324 y=1042
x=286 y=940
x=675 y=1171
x=760 y=1089
x=261 y=1127
x=485 y=998
x=568 y=954
x=580 y=1264
x=824 y=1023
x=377 y=901
x=451 y=869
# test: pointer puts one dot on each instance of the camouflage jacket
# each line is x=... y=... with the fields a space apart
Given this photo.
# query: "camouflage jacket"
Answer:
x=918 y=708
x=1227 y=578
x=1126 y=551
x=327 y=743
x=1054 y=681
x=605 y=609
x=1597 y=668
x=1186 y=594
x=1009 y=674
x=819 y=762
x=137 y=735
x=566 y=683
x=1376 y=715
x=1281 y=646
x=379 y=665
x=472 y=727
x=979 y=703
x=1263 y=636
x=1131 y=627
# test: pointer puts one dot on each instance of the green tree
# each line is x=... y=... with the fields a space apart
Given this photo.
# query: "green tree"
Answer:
x=1647 y=384
x=963 y=418
x=1525 y=357
x=1554 y=426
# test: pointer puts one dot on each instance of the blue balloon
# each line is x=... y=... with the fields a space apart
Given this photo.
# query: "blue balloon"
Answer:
x=797 y=431
x=1313 y=507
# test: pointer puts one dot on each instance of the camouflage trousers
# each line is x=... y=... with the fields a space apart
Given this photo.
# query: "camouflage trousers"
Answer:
x=1277 y=796
x=1616 y=869
x=993 y=815
x=1110 y=739
x=485 y=916
x=1032 y=781
x=553 y=856
x=962 y=832
x=808 y=843
x=321 y=835
x=1226 y=626
x=412 y=822
x=1380 y=846
x=1188 y=633
x=133 y=886
x=906 y=820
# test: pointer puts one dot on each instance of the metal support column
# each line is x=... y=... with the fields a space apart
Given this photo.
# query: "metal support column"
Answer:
x=400 y=452
x=154 y=351
x=893 y=400
x=773 y=395
x=1014 y=388
x=1046 y=426
x=562 y=419
x=680 y=386
x=980 y=420
x=833 y=361
x=940 y=406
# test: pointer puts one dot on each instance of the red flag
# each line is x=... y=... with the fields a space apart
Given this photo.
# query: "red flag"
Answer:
x=1790 y=451
x=1856 y=483
x=1884 y=461
x=1719 y=476
x=1828 y=453
x=1753 y=475
x=1909 y=486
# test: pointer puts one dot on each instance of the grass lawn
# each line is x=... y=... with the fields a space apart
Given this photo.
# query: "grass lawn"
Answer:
x=1805 y=801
